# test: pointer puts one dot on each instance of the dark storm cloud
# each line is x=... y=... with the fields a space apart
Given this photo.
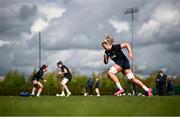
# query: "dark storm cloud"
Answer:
x=162 y=25
x=15 y=20
x=27 y=11
x=171 y=37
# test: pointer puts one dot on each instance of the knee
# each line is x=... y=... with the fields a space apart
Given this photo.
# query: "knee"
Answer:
x=109 y=73
x=112 y=71
x=62 y=84
x=41 y=87
x=132 y=79
x=130 y=76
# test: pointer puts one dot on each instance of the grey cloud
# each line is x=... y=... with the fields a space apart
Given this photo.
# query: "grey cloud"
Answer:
x=15 y=56
x=83 y=27
x=11 y=26
x=167 y=33
x=27 y=11
x=154 y=57
x=83 y=18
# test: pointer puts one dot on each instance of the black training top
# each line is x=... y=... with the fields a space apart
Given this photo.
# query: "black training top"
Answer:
x=116 y=54
x=39 y=75
x=68 y=74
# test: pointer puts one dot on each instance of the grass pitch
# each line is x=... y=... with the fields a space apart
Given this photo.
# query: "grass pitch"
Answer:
x=89 y=106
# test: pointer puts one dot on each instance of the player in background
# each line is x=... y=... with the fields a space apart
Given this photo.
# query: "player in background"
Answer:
x=97 y=86
x=115 y=53
x=66 y=75
x=36 y=80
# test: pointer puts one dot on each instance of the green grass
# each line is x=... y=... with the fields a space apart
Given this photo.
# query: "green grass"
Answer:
x=79 y=105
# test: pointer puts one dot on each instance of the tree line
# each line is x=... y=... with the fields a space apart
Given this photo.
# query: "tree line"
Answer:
x=16 y=82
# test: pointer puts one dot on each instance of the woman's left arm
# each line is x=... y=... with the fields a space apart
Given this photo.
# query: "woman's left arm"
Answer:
x=128 y=47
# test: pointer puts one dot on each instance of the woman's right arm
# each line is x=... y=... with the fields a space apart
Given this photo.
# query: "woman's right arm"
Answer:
x=106 y=59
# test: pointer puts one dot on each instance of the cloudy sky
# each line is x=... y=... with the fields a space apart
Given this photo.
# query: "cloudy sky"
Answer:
x=72 y=31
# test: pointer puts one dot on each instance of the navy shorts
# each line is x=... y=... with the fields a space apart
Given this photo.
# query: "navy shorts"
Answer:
x=68 y=77
x=124 y=64
x=34 y=79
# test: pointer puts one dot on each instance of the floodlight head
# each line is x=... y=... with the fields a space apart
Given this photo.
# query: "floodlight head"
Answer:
x=131 y=10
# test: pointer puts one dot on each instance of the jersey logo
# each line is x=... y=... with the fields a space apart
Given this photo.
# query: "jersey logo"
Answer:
x=113 y=56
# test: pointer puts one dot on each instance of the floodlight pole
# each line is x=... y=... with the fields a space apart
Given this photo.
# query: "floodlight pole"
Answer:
x=132 y=11
x=39 y=49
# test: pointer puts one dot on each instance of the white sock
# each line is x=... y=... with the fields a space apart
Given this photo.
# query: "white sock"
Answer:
x=62 y=92
x=145 y=88
x=39 y=92
x=33 y=91
x=118 y=85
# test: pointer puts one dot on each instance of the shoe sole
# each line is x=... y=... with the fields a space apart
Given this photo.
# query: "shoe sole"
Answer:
x=115 y=94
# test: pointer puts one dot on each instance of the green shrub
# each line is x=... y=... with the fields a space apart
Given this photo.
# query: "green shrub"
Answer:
x=15 y=82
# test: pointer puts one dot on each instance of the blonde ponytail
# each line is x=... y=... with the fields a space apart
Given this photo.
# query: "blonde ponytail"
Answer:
x=108 y=40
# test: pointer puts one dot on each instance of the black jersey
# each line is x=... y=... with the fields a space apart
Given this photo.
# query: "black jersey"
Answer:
x=68 y=74
x=116 y=53
x=118 y=56
x=39 y=75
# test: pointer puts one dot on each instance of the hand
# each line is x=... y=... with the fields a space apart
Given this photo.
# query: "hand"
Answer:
x=130 y=56
x=45 y=81
x=60 y=73
x=105 y=59
x=105 y=56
